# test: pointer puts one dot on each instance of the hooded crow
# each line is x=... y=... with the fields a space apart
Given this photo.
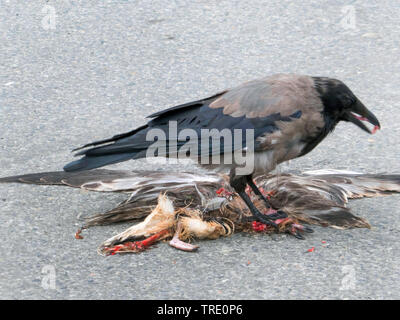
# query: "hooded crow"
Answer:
x=286 y=116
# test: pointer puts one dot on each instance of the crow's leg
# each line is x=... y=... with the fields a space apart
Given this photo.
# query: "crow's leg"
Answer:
x=257 y=214
x=257 y=191
x=239 y=184
x=279 y=214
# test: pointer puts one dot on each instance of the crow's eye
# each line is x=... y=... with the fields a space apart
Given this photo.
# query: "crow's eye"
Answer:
x=348 y=101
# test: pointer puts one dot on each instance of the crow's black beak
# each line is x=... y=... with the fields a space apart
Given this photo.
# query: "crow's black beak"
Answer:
x=359 y=113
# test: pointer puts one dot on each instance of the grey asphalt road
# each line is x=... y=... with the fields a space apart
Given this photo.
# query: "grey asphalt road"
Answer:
x=97 y=68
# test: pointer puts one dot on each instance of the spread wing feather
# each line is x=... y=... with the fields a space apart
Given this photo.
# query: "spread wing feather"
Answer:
x=313 y=197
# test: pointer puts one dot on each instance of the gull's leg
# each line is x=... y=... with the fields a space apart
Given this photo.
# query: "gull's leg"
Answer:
x=276 y=215
x=179 y=244
x=133 y=246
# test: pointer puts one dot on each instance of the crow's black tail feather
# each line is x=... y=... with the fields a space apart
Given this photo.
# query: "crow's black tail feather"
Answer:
x=88 y=163
x=126 y=146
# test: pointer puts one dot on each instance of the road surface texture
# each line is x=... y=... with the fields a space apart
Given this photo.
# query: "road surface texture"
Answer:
x=76 y=71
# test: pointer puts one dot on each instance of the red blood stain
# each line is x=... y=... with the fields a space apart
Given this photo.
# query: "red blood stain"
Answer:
x=222 y=192
x=258 y=226
x=269 y=194
x=375 y=129
x=78 y=234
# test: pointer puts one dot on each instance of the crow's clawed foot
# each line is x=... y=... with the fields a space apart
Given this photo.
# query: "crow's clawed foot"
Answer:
x=265 y=219
x=283 y=222
x=284 y=225
x=272 y=217
x=269 y=218
x=296 y=230
x=275 y=214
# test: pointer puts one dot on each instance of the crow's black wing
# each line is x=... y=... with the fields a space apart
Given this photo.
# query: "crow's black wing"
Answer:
x=255 y=106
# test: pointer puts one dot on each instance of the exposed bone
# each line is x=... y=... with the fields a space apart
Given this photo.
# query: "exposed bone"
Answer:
x=179 y=244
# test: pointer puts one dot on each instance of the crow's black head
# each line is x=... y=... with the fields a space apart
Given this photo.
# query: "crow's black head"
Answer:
x=341 y=104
